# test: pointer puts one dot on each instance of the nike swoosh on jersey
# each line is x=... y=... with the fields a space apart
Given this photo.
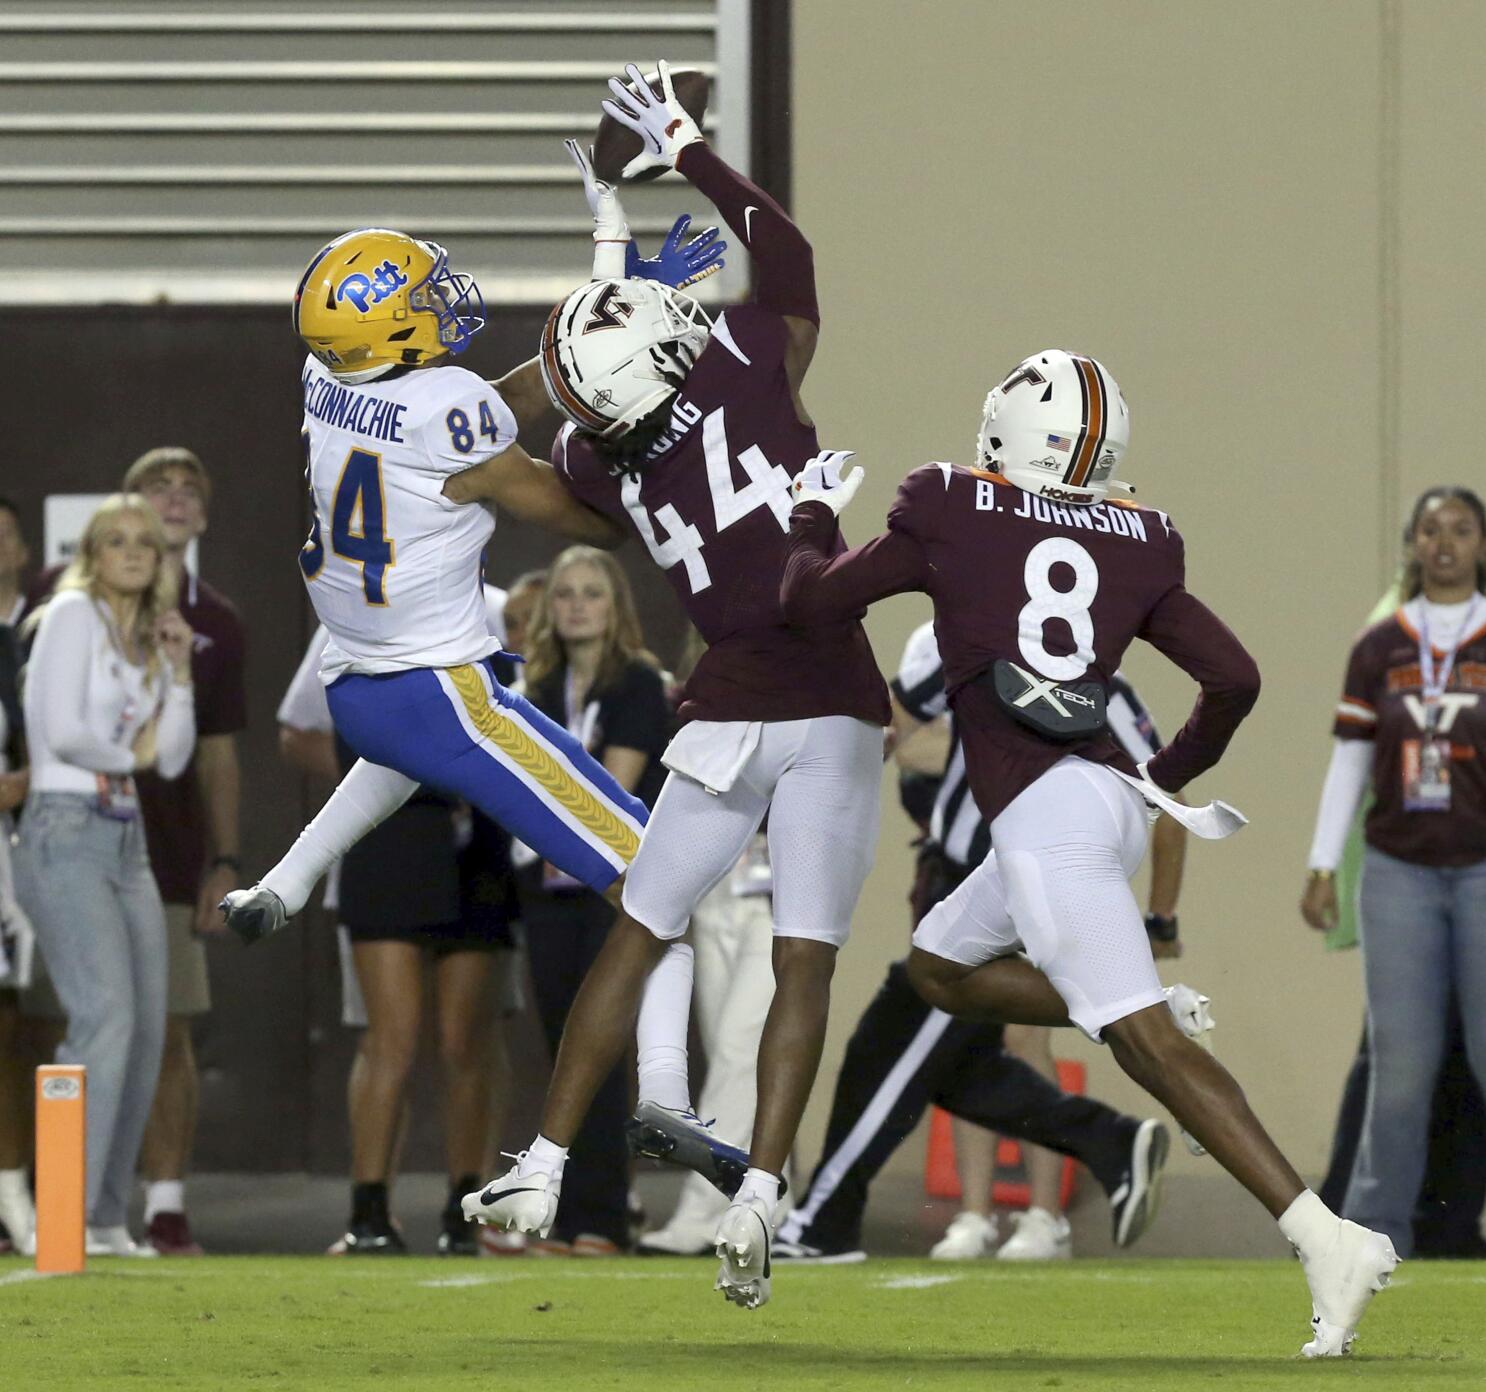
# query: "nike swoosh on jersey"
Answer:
x=748 y=213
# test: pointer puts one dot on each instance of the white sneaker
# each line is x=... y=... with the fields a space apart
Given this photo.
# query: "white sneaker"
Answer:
x=968 y=1236
x=1343 y=1279
x=676 y=1240
x=18 y=1212
x=1195 y=1020
x=518 y=1202
x=115 y=1242
x=1039 y=1236
x=744 y=1238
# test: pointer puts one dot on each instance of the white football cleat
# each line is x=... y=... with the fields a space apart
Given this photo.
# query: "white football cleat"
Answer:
x=968 y=1236
x=743 y=1242
x=254 y=913
x=1039 y=1236
x=115 y=1242
x=1195 y=1020
x=1343 y=1278
x=516 y=1202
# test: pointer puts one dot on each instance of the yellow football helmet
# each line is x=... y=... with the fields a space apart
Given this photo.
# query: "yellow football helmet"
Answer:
x=374 y=299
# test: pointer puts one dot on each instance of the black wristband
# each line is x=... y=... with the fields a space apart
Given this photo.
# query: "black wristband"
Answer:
x=1161 y=928
x=230 y=861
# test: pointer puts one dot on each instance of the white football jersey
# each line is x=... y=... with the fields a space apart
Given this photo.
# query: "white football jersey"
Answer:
x=392 y=566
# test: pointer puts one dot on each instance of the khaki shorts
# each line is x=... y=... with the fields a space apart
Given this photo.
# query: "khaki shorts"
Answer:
x=187 y=990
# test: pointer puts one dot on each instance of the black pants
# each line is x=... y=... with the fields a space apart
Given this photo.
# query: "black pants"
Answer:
x=903 y=1056
x=1447 y=1218
x=564 y=935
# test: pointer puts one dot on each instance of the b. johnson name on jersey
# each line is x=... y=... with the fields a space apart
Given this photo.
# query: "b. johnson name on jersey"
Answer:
x=1116 y=521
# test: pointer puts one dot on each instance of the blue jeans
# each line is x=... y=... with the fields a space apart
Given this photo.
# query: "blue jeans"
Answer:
x=85 y=881
x=1423 y=937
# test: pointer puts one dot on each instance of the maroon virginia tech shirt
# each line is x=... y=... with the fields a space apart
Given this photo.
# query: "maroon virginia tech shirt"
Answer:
x=1013 y=576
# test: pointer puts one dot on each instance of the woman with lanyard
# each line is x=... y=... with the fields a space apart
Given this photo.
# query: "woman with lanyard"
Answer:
x=588 y=669
x=107 y=693
x=1412 y=722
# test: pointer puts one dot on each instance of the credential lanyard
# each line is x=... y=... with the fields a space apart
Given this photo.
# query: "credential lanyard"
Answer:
x=1436 y=679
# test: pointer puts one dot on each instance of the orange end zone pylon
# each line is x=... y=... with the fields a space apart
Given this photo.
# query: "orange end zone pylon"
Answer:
x=61 y=1166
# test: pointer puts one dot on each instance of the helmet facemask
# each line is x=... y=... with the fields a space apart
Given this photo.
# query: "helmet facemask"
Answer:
x=454 y=299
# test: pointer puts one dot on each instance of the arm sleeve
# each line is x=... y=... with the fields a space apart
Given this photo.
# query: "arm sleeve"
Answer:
x=636 y=714
x=59 y=661
x=1187 y=632
x=1357 y=711
x=175 y=735
x=819 y=588
x=1341 y=794
x=471 y=424
x=783 y=263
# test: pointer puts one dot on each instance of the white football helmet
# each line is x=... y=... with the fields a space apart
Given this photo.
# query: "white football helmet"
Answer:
x=614 y=350
x=1057 y=426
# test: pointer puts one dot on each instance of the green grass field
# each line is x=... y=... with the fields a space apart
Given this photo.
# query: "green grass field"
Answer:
x=317 y=1323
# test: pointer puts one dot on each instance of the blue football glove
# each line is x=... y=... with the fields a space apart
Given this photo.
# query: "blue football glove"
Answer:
x=676 y=265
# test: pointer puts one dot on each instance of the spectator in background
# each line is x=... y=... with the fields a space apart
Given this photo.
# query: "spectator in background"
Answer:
x=107 y=695
x=17 y=1213
x=429 y=886
x=587 y=668
x=1412 y=724
x=522 y=599
x=191 y=826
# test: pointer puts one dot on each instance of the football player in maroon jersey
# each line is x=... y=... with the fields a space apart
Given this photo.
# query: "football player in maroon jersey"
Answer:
x=689 y=433
x=1040 y=583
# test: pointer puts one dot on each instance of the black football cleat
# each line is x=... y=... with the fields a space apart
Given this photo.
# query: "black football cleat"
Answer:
x=683 y=1138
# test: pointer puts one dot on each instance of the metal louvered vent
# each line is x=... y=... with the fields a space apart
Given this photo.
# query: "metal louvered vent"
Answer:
x=201 y=152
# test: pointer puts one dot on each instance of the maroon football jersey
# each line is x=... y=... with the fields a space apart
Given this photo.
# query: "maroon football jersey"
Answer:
x=711 y=503
x=1061 y=591
x=1383 y=701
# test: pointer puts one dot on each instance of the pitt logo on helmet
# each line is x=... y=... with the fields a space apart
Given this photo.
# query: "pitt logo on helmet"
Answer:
x=364 y=291
x=374 y=300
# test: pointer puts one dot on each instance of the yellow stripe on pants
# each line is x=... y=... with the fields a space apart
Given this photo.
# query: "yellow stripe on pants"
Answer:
x=508 y=736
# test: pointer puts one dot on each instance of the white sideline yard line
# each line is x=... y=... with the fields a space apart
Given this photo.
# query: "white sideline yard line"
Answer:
x=17 y=1278
x=915 y=1282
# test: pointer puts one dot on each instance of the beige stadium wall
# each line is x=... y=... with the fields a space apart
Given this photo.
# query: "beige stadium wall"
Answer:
x=1264 y=217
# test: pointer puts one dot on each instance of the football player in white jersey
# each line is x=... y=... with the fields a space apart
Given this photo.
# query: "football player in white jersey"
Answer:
x=392 y=565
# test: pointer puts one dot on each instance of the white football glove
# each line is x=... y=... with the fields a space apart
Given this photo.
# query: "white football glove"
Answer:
x=610 y=230
x=820 y=481
x=663 y=125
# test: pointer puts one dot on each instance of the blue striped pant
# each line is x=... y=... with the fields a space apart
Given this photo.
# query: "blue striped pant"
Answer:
x=459 y=730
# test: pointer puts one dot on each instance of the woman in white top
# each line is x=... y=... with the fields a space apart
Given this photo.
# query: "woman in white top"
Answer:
x=1412 y=724
x=107 y=693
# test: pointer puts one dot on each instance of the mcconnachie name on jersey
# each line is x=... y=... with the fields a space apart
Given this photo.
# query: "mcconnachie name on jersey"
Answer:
x=711 y=503
x=1062 y=590
x=392 y=565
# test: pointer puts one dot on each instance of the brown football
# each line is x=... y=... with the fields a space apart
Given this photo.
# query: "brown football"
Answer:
x=614 y=146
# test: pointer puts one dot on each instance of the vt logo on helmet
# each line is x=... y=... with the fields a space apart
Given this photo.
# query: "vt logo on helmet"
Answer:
x=375 y=299
x=616 y=350
x=1057 y=426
